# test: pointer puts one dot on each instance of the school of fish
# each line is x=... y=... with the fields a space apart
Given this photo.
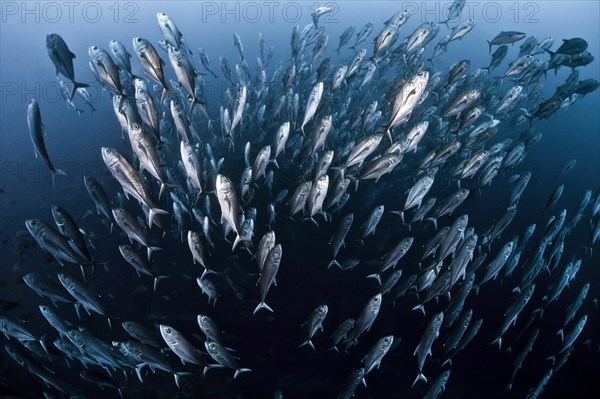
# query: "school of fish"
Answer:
x=311 y=148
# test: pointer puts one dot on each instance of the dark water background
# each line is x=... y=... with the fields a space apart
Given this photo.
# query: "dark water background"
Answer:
x=268 y=343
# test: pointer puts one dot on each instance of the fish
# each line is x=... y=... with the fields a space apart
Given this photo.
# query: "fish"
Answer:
x=67 y=226
x=506 y=37
x=186 y=74
x=422 y=350
x=461 y=30
x=338 y=240
x=378 y=351
x=341 y=332
x=206 y=61
x=497 y=57
x=84 y=296
x=228 y=201
x=268 y=273
x=183 y=348
x=522 y=355
x=312 y=104
x=438 y=385
x=316 y=196
x=319 y=12
x=172 y=35
x=141 y=333
x=572 y=46
x=315 y=323
x=352 y=383
x=365 y=320
x=345 y=37
x=54 y=242
x=221 y=355
x=45 y=287
x=36 y=132
x=133 y=229
x=105 y=70
x=405 y=101
x=513 y=312
x=120 y=55
x=454 y=11
x=151 y=63
x=139 y=263
x=147 y=155
x=62 y=58
x=130 y=180
x=368 y=228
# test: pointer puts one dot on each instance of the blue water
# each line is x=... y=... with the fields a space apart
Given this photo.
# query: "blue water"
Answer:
x=268 y=343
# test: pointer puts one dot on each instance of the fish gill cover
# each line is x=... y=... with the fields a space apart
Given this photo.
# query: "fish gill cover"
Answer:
x=291 y=200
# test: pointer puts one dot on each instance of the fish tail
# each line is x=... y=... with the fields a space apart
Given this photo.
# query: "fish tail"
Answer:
x=165 y=186
x=388 y=133
x=421 y=308
x=42 y=342
x=195 y=101
x=239 y=371
x=262 y=305
x=434 y=221
x=165 y=90
x=333 y=263
x=177 y=377
x=77 y=85
x=152 y=213
x=490 y=44
x=420 y=377
x=498 y=341
x=376 y=277
x=57 y=172
x=307 y=342
x=157 y=279
x=235 y=242
x=152 y=249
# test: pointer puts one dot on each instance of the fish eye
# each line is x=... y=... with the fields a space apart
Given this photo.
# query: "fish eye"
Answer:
x=33 y=222
x=129 y=345
x=139 y=40
x=212 y=345
x=376 y=299
x=94 y=48
x=168 y=330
